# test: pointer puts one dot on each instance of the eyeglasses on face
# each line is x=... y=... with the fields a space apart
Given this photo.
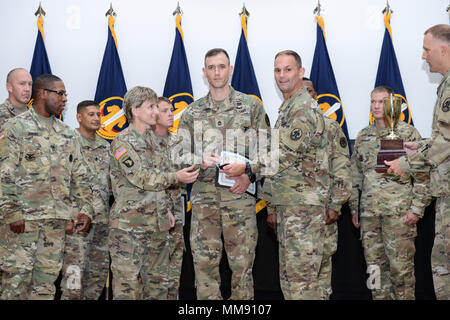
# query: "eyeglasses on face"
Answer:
x=60 y=93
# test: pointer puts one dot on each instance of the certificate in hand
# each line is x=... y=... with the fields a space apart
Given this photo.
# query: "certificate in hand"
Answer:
x=222 y=181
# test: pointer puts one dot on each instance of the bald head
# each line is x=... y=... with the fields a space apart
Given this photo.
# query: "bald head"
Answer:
x=19 y=85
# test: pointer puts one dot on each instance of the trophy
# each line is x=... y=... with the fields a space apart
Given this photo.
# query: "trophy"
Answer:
x=392 y=146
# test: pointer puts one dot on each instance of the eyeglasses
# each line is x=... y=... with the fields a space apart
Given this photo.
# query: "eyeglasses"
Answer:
x=60 y=93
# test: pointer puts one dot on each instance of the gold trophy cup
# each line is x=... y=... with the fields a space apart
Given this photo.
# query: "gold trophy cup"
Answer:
x=392 y=146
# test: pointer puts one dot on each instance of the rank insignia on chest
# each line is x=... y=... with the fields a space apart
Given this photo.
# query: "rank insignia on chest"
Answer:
x=296 y=134
x=219 y=123
x=128 y=162
x=30 y=157
x=446 y=105
x=343 y=142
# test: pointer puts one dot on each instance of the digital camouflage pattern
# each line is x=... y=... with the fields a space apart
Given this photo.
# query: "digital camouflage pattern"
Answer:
x=86 y=256
x=216 y=209
x=435 y=153
x=139 y=221
x=299 y=192
x=340 y=185
x=385 y=199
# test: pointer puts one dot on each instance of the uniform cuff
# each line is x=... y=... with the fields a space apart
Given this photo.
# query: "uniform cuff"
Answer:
x=335 y=207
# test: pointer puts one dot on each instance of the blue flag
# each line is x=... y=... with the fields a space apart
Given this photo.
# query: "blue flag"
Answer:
x=178 y=87
x=388 y=73
x=40 y=64
x=244 y=79
x=322 y=76
x=111 y=88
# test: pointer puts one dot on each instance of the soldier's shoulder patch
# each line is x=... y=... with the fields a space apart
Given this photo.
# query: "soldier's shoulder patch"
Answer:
x=296 y=134
x=120 y=152
x=446 y=105
x=128 y=162
x=343 y=142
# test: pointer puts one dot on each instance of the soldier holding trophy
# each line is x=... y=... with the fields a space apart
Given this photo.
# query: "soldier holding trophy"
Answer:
x=386 y=206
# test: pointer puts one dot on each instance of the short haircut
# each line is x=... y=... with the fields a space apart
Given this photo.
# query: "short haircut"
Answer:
x=441 y=32
x=135 y=97
x=296 y=56
x=306 y=79
x=386 y=89
x=44 y=81
x=164 y=99
x=215 y=52
x=86 y=103
x=9 y=75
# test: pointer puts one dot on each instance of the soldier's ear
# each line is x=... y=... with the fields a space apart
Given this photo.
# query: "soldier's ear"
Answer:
x=9 y=87
x=79 y=117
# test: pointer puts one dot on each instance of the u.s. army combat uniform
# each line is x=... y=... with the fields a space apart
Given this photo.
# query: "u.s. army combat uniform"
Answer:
x=215 y=210
x=435 y=153
x=139 y=222
x=7 y=111
x=340 y=188
x=41 y=172
x=385 y=199
x=299 y=191
x=165 y=147
x=86 y=256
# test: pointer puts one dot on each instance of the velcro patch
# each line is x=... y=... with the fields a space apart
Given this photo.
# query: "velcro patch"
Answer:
x=446 y=105
x=120 y=152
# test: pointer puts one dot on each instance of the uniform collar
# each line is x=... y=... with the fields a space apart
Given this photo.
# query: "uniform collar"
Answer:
x=92 y=144
x=444 y=79
x=296 y=94
x=35 y=116
x=10 y=107
x=225 y=104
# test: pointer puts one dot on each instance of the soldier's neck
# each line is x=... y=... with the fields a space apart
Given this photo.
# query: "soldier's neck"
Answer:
x=86 y=133
x=140 y=126
x=160 y=130
x=16 y=104
x=380 y=124
x=219 y=94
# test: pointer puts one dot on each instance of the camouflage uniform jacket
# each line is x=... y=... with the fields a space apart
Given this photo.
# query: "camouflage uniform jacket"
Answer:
x=41 y=170
x=7 y=111
x=139 y=182
x=96 y=157
x=240 y=116
x=435 y=152
x=385 y=194
x=303 y=174
x=339 y=165
x=165 y=146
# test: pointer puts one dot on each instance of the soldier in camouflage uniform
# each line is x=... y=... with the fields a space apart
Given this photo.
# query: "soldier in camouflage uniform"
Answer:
x=299 y=189
x=166 y=143
x=18 y=84
x=389 y=207
x=215 y=122
x=142 y=212
x=435 y=153
x=41 y=172
x=86 y=256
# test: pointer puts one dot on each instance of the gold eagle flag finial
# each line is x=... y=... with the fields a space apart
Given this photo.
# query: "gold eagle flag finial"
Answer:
x=111 y=11
x=178 y=10
x=40 y=12
x=244 y=11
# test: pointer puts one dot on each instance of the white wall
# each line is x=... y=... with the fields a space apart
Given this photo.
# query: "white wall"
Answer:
x=76 y=32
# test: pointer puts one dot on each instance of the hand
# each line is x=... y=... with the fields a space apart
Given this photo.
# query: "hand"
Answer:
x=18 y=226
x=171 y=219
x=394 y=167
x=272 y=221
x=411 y=146
x=186 y=176
x=355 y=220
x=234 y=169
x=410 y=219
x=331 y=216
x=82 y=223
x=210 y=160
x=70 y=229
x=241 y=185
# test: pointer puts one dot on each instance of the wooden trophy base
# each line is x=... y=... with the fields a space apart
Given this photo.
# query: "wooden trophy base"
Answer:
x=391 y=149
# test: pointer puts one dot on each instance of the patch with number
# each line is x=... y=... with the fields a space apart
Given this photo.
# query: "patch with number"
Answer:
x=296 y=134
x=343 y=142
x=446 y=105
x=120 y=152
x=128 y=162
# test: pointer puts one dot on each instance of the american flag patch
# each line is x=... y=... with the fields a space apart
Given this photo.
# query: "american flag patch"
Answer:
x=120 y=152
x=2 y=134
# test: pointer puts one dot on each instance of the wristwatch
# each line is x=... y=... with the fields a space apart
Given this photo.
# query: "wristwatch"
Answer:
x=249 y=173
